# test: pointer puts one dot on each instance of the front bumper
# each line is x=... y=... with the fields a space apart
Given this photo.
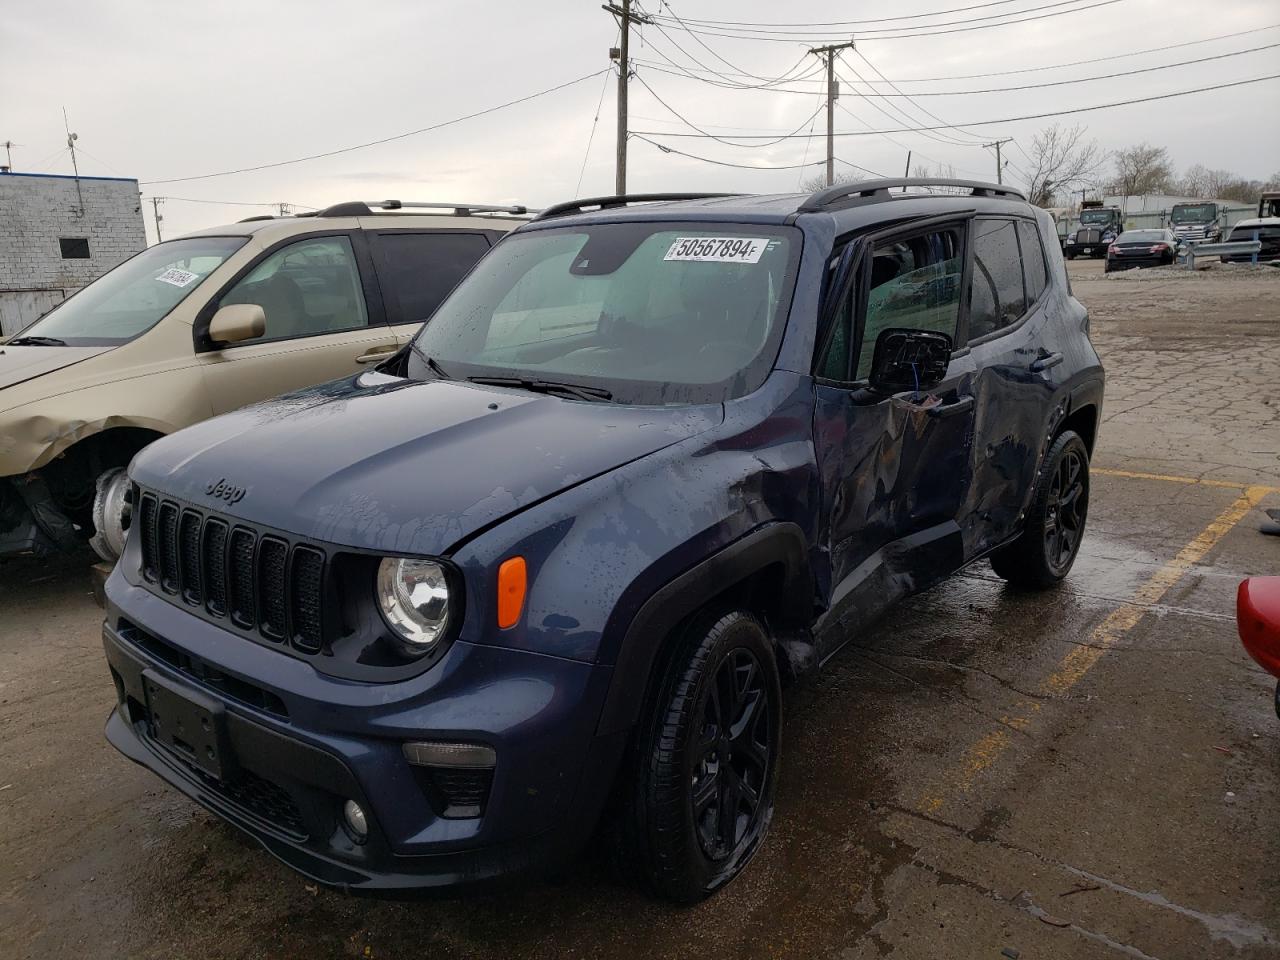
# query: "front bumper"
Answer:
x=1134 y=263
x=301 y=744
x=1096 y=250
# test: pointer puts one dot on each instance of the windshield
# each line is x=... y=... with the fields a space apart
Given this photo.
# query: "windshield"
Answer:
x=131 y=299
x=1192 y=213
x=1142 y=236
x=1096 y=216
x=652 y=312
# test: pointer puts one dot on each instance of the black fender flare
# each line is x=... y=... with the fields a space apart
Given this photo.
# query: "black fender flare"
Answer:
x=774 y=543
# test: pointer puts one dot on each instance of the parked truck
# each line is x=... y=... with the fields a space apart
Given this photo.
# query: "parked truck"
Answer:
x=1202 y=220
x=1099 y=226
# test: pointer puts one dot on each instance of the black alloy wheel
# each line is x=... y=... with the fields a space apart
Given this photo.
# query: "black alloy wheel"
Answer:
x=732 y=755
x=1067 y=505
x=698 y=800
x=1053 y=527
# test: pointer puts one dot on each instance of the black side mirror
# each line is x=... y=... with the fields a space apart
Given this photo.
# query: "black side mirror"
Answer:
x=909 y=360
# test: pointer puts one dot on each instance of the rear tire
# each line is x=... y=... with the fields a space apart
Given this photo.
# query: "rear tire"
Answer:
x=700 y=798
x=1050 y=540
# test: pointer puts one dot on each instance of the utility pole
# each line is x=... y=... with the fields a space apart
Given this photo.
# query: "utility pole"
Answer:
x=999 y=166
x=828 y=54
x=8 y=153
x=155 y=210
x=71 y=145
x=625 y=19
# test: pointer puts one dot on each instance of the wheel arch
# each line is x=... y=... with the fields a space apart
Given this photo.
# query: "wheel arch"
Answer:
x=765 y=571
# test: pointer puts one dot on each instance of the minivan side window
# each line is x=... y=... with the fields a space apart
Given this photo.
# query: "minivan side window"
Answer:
x=417 y=270
x=1033 y=262
x=306 y=288
x=914 y=285
x=996 y=296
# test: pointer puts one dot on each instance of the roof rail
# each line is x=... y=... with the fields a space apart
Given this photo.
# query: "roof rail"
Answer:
x=870 y=190
x=261 y=216
x=621 y=200
x=365 y=208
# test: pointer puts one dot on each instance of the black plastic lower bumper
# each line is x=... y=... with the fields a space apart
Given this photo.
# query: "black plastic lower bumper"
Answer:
x=288 y=795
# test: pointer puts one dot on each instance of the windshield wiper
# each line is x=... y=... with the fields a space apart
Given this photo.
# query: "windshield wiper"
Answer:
x=36 y=342
x=576 y=390
x=431 y=362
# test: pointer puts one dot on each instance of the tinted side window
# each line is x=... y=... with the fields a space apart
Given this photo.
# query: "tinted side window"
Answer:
x=996 y=296
x=417 y=269
x=835 y=365
x=915 y=285
x=1033 y=263
x=308 y=287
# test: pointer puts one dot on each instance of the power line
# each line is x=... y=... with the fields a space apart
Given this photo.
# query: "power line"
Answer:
x=852 y=23
x=814 y=38
x=899 y=115
x=688 y=123
x=902 y=146
x=604 y=87
x=374 y=143
x=1081 y=63
x=687 y=71
x=725 y=81
x=703 y=44
x=742 y=31
x=1061 y=83
x=747 y=166
x=1031 y=116
x=237 y=203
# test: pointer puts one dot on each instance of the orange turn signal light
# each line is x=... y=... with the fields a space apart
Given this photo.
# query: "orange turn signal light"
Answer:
x=512 y=582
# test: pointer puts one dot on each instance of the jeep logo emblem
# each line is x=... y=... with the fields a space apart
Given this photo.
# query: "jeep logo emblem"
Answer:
x=225 y=491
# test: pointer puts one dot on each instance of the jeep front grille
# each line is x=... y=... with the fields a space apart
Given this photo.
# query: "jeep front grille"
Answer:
x=259 y=583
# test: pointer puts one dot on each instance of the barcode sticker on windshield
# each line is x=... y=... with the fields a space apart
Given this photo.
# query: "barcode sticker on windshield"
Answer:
x=179 y=278
x=717 y=249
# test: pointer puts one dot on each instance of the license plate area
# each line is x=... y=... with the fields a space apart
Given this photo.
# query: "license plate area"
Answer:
x=1088 y=249
x=189 y=724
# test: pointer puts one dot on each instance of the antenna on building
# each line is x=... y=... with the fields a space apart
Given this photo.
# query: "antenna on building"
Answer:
x=71 y=145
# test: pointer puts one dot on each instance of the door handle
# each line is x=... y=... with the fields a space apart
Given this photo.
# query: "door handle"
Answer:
x=376 y=355
x=1047 y=362
x=963 y=405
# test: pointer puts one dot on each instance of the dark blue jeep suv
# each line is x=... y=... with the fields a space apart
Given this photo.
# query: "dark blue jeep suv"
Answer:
x=547 y=569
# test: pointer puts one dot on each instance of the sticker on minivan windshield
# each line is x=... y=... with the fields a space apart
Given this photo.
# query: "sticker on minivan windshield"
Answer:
x=179 y=278
x=717 y=249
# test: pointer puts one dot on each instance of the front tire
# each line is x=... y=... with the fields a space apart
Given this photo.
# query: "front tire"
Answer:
x=112 y=512
x=706 y=761
x=1043 y=553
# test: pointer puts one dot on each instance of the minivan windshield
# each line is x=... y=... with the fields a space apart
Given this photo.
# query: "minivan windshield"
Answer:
x=131 y=299
x=651 y=313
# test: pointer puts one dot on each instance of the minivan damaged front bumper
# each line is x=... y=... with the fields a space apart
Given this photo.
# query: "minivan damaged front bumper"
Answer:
x=288 y=749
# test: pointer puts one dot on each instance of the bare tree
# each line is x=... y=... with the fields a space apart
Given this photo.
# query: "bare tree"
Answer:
x=1142 y=169
x=1062 y=160
x=814 y=183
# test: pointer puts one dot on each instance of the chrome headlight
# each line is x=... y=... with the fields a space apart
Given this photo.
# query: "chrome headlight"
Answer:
x=413 y=596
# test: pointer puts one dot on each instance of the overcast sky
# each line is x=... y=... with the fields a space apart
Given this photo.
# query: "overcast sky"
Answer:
x=162 y=90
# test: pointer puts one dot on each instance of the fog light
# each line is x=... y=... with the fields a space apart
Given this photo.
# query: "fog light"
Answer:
x=357 y=822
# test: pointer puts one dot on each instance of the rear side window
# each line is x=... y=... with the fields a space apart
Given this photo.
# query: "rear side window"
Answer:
x=417 y=270
x=996 y=296
x=1033 y=263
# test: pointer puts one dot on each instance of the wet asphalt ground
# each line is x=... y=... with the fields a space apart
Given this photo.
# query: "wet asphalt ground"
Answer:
x=1088 y=773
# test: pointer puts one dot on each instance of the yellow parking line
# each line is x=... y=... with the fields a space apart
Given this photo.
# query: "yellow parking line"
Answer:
x=1171 y=478
x=1082 y=658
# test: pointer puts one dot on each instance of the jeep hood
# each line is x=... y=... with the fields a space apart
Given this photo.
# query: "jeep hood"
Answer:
x=19 y=364
x=403 y=466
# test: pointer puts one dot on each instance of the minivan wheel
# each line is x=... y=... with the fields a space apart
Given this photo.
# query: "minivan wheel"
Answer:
x=112 y=511
x=706 y=761
x=1050 y=539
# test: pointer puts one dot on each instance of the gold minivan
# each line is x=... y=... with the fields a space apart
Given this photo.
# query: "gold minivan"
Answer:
x=193 y=327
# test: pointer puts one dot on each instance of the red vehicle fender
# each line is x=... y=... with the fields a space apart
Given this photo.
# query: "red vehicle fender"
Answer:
x=1258 y=620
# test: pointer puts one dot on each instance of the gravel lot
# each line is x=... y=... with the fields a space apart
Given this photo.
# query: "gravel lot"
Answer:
x=1093 y=773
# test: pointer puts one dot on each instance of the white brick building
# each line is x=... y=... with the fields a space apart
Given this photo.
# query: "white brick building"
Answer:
x=58 y=233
